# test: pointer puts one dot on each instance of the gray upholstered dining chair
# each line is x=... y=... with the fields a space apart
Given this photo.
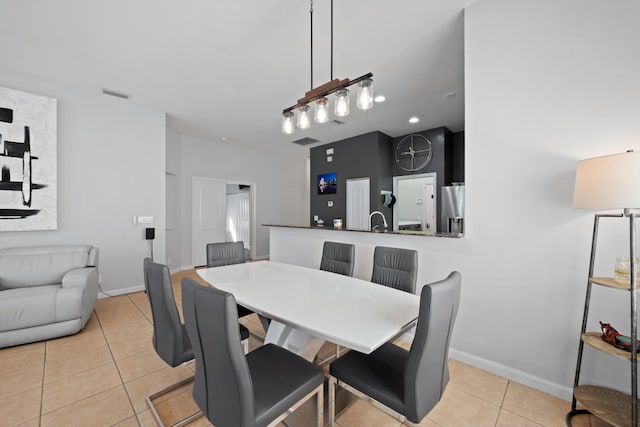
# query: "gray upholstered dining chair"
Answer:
x=338 y=258
x=234 y=390
x=408 y=383
x=228 y=253
x=225 y=253
x=395 y=268
x=170 y=338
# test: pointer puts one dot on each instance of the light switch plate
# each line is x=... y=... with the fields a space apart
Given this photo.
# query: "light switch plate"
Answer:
x=143 y=220
x=315 y=218
x=330 y=203
x=329 y=151
x=329 y=159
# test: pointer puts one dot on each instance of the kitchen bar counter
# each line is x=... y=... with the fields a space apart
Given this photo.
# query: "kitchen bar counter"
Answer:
x=401 y=232
x=302 y=245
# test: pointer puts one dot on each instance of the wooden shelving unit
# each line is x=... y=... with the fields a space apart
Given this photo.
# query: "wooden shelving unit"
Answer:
x=609 y=405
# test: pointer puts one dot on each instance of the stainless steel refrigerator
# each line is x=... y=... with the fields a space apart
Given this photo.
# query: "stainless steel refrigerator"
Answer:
x=452 y=212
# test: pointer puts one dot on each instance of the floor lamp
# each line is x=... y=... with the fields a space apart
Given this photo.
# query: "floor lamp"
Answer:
x=609 y=183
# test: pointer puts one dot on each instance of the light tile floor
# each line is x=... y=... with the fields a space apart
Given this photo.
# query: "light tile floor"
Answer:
x=100 y=377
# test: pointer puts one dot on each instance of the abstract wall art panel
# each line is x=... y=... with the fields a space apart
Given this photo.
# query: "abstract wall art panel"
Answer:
x=28 y=161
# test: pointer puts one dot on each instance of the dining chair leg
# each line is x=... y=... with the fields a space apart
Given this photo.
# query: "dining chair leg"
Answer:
x=359 y=394
x=332 y=384
x=320 y=406
x=149 y=399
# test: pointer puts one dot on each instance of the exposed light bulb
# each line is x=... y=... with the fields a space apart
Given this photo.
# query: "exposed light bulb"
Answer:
x=414 y=119
x=287 y=123
x=322 y=110
x=303 y=117
x=342 y=103
x=365 y=94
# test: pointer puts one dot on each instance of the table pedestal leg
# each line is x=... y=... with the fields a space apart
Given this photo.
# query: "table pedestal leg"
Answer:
x=294 y=340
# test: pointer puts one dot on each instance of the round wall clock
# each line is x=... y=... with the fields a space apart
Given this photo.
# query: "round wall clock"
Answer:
x=413 y=153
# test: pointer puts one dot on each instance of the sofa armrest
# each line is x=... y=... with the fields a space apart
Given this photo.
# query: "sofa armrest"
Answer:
x=88 y=279
x=79 y=277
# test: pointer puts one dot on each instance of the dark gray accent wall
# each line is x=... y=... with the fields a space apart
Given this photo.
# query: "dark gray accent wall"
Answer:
x=441 y=139
x=372 y=155
x=362 y=156
x=455 y=157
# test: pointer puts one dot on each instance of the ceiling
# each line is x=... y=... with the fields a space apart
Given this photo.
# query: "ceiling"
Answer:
x=225 y=70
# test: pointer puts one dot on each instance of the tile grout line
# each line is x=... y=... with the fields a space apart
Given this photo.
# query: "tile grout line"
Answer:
x=44 y=368
x=500 y=407
x=61 y=379
x=126 y=390
x=116 y=365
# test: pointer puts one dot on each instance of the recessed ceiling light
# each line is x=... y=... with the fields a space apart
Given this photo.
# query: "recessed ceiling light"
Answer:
x=449 y=94
x=414 y=120
x=379 y=98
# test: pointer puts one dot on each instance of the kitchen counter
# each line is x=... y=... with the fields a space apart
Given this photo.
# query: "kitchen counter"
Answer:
x=401 y=232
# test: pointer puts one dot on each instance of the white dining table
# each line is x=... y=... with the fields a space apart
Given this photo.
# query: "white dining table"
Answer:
x=309 y=306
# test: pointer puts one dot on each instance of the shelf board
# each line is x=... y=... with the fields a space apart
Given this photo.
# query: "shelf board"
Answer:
x=609 y=405
x=609 y=282
x=593 y=340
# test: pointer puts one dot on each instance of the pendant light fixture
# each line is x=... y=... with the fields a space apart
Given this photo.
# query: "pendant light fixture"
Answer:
x=365 y=94
x=303 y=117
x=342 y=103
x=288 y=125
x=319 y=95
x=322 y=110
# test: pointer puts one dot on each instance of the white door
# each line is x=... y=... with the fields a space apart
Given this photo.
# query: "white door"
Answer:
x=239 y=218
x=429 y=203
x=208 y=216
x=358 y=204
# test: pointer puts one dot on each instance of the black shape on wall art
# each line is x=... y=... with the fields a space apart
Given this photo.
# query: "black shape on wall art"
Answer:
x=6 y=115
x=27 y=123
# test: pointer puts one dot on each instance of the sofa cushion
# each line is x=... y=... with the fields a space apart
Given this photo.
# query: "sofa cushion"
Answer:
x=28 y=307
x=41 y=265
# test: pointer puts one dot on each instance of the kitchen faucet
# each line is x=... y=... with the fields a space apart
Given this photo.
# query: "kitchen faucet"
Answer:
x=384 y=220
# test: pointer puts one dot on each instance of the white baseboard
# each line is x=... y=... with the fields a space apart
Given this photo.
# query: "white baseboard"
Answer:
x=504 y=371
x=554 y=389
x=179 y=269
x=122 y=291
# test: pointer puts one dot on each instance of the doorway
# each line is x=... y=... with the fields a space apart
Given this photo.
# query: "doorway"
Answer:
x=222 y=211
x=416 y=204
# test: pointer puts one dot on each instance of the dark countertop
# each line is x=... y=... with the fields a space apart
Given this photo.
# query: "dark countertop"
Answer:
x=401 y=233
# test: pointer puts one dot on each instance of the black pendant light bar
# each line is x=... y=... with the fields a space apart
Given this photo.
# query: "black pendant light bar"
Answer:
x=320 y=93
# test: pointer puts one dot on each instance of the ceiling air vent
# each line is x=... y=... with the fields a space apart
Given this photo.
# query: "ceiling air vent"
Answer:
x=116 y=94
x=305 y=141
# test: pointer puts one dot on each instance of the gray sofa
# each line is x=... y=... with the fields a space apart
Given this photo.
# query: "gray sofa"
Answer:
x=46 y=291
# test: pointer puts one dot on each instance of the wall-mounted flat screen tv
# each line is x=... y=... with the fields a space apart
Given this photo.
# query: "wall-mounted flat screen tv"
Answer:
x=327 y=183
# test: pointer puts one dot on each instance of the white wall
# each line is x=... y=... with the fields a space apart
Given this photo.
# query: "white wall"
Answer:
x=281 y=190
x=547 y=83
x=173 y=207
x=111 y=156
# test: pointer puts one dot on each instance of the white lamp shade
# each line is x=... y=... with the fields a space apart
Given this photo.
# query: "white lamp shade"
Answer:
x=608 y=182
